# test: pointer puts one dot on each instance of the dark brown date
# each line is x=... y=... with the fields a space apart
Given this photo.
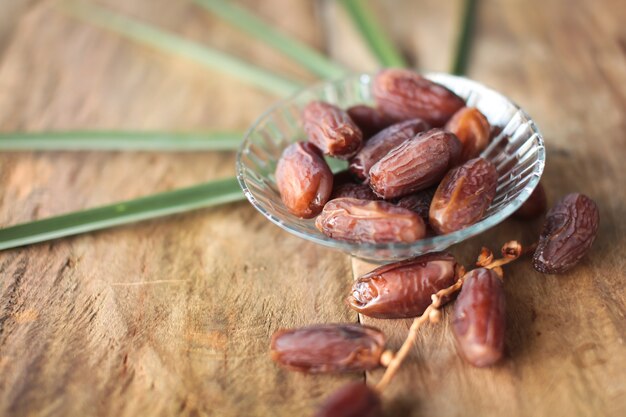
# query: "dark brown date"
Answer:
x=568 y=233
x=418 y=202
x=304 y=180
x=383 y=142
x=328 y=348
x=369 y=119
x=358 y=221
x=479 y=318
x=463 y=196
x=352 y=400
x=473 y=130
x=331 y=129
x=402 y=94
x=344 y=185
x=403 y=289
x=535 y=206
x=415 y=164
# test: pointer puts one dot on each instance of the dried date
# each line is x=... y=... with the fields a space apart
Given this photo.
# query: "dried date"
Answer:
x=369 y=119
x=352 y=400
x=568 y=233
x=402 y=94
x=463 y=196
x=304 y=180
x=416 y=164
x=535 y=206
x=331 y=129
x=479 y=318
x=403 y=289
x=383 y=142
x=328 y=348
x=473 y=130
x=355 y=220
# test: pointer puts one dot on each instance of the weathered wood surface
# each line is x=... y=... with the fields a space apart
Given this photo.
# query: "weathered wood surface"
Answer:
x=173 y=316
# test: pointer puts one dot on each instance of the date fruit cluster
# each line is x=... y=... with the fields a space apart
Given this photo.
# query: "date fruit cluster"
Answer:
x=414 y=165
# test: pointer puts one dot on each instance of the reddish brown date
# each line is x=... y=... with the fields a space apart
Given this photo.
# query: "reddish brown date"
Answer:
x=328 y=348
x=352 y=400
x=369 y=119
x=383 y=142
x=463 y=196
x=568 y=233
x=402 y=94
x=418 y=202
x=535 y=206
x=403 y=289
x=415 y=164
x=345 y=186
x=331 y=129
x=304 y=180
x=473 y=130
x=479 y=318
x=358 y=221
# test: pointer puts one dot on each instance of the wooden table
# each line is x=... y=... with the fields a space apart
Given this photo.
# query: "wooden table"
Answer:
x=174 y=316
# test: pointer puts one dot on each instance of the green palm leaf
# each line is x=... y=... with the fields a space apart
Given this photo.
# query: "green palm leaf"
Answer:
x=209 y=57
x=379 y=43
x=120 y=140
x=178 y=201
x=299 y=52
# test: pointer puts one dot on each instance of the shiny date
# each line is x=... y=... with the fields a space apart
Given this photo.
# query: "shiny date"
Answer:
x=355 y=399
x=355 y=220
x=331 y=129
x=568 y=233
x=473 y=130
x=403 y=289
x=328 y=348
x=416 y=164
x=479 y=318
x=369 y=119
x=402 y=94
x=463 y=196
x=304 y=180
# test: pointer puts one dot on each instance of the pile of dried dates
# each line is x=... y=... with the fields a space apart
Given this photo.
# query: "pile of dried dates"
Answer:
x=414 y=165
x=407 y=153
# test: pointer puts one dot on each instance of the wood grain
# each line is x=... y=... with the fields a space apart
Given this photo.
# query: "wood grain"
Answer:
x=173 y=317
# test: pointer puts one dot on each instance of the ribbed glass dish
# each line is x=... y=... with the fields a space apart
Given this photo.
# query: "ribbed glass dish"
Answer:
x=517 y=151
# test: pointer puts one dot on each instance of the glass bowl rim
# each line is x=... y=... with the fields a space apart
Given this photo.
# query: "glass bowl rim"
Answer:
x=439 y=240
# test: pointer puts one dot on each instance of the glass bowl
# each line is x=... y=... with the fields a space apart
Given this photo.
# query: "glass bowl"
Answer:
x=517 y=151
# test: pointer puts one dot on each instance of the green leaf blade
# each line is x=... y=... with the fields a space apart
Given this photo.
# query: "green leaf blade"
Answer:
x=299 y=52
x=120 y=141
x=379 y=43
x=464 y=41
x=171 y=202
x=204 y=55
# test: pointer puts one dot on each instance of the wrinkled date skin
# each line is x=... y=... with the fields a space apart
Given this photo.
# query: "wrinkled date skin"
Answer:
x=358 y=221
x=383 y=142
x=568 y=233
x=331 y=129
x=403 y=94
x=415 y=164
x=352 y=400
x=403 y=289
x=419 y=202
x=473 y=130
x=479 y=318
x=463 y=196
x=328 y=348
x=345 y=186
x=304 y=180
x=535 y=206
x=369 y=119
